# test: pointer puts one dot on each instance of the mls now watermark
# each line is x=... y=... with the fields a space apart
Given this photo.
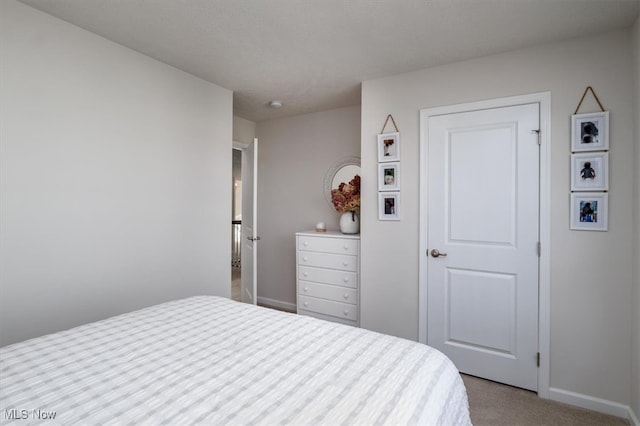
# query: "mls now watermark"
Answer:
x=37 y=414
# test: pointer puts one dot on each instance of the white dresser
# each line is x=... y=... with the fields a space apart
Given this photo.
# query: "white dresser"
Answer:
x=328 y=276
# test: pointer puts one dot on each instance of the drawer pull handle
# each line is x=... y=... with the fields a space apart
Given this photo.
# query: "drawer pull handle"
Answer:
x=305 y=243
x=346 y=247
x=306 y=274
x=346 y=295
x=345 y=263
x=306 y=289
x=306 y=303
x=346 y=312
x=345 y=279
x=305 y=258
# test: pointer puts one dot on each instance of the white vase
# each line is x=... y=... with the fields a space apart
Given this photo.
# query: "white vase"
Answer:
x=349 y=223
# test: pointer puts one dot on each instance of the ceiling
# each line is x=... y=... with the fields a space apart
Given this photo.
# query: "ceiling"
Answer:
x=313 y=54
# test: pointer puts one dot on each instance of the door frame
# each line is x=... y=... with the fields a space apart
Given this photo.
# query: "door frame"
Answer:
x=544 y=277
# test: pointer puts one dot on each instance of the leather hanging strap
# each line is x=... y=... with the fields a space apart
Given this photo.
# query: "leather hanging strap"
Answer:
x=386 y=121
x=589 y=88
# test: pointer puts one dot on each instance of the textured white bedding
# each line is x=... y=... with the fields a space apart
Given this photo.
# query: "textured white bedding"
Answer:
x=209 y=360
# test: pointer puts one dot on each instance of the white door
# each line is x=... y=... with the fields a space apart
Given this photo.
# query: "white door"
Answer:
x=249 y=238
x=482 y=238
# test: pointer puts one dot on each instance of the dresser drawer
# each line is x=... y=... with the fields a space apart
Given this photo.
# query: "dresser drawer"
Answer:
x=328 y=318
x=329 y=292
x=328 y=307
x=326 y=260
x=328 y=245
x=328 y=276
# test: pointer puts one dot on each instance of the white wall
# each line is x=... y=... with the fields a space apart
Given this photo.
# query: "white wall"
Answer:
x=115 y=178
x=591 y=272
x=294 y=156
x=635 y=357
x=243 y=130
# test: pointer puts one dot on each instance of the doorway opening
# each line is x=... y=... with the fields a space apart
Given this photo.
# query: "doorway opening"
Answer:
x=244 y=226
x=236 y=226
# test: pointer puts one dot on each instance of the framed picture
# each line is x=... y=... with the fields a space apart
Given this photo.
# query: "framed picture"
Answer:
x=389 y=205
x=590 y=132
x=389 y=176
x=589 y=211
x=590 y=171
x=388 y=147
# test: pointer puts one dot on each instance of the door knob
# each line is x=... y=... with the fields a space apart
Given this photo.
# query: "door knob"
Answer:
x=436 y=253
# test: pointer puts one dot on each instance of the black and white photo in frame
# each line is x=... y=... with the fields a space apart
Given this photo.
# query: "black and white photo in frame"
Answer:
x=590 y=132
x=590 y=171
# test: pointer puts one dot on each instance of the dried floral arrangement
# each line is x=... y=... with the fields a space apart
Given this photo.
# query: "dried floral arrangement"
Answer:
x=346 y=198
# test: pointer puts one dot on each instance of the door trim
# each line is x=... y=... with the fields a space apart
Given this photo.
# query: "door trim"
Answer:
x=240 y=145
x=544 y=285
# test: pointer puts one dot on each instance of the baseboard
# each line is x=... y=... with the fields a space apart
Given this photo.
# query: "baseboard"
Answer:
x=633 y=419
x=273 y=303
x=591 y=403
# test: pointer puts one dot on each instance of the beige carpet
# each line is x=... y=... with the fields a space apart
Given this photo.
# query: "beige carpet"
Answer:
x=495 y=404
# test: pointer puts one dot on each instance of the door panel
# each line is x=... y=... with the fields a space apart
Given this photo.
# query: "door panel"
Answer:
x=488 y=327
x=249 y=281
x=474 y=184
x=483 y=189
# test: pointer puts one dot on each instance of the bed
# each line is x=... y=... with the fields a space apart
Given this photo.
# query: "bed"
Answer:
x=210 y=360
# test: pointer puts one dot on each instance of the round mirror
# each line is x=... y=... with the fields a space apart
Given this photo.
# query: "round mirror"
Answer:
x=342 y=171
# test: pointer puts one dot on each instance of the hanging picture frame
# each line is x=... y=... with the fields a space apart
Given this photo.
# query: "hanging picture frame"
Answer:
x=389 y=176
x=388 y=147
x=590 y=132
x=389 y=205
x=590 y=171
x=589 y=211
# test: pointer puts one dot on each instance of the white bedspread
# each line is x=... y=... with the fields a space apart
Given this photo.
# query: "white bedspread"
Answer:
x=209 y=360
